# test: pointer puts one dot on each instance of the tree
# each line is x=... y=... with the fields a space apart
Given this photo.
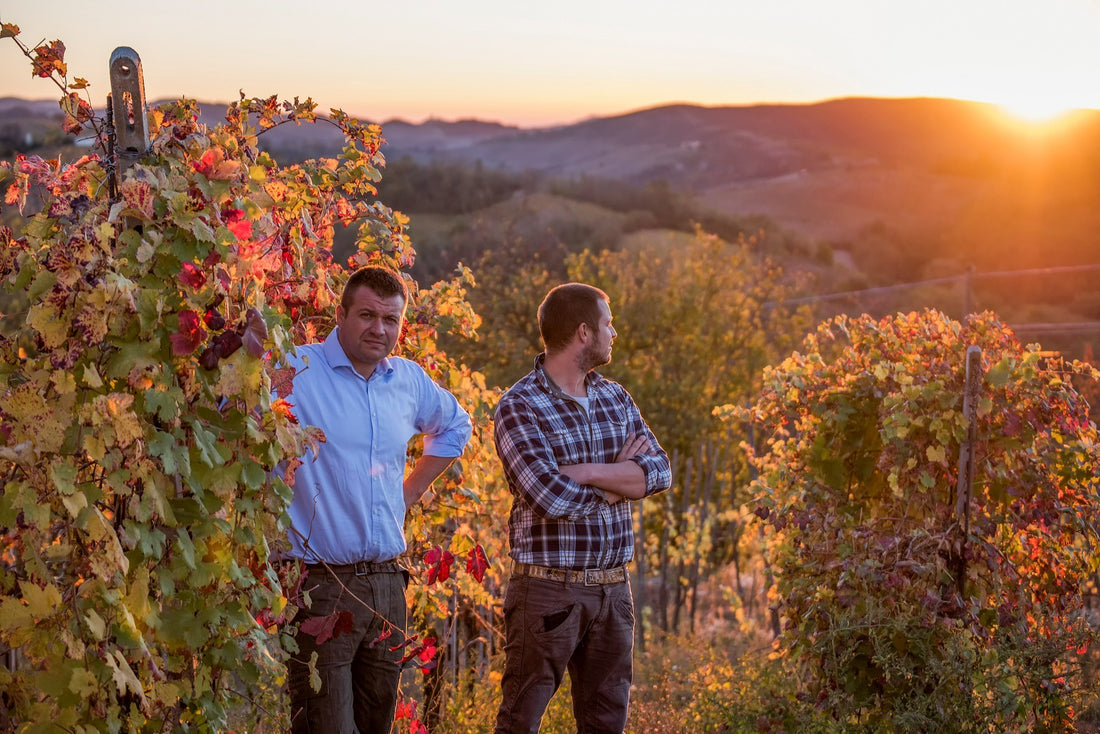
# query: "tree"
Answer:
x=698 y=319
x=900 y=611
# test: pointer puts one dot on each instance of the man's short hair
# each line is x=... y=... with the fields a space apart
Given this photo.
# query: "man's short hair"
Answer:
x=383 y=281
x=566 y=307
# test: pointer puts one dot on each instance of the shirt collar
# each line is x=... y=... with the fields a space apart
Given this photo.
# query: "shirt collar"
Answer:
x=592 y=379
x=336 y=357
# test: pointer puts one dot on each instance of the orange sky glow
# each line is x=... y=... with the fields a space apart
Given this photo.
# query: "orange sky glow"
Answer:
x=554 y=63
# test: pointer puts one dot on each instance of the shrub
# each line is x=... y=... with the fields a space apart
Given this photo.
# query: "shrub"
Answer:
x=904 y=606
x=140 y=430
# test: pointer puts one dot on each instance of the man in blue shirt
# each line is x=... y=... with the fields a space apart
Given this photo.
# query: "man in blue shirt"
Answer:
x=349 y=504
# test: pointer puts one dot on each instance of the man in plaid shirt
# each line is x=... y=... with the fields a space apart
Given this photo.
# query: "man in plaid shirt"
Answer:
x=575 y=449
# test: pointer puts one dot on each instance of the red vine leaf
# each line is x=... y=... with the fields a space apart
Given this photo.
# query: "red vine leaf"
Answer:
x=330 y=626
x=382 y=637
x=238 y=224
x=190 y=334
x=215 y=167
x=255 y=333
x=476 y=562
x=77 y=110
x=439 y=564
x=138 y=197
x=190 y=275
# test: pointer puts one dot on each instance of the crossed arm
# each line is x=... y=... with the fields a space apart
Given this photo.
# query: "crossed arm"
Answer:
x=621 y=479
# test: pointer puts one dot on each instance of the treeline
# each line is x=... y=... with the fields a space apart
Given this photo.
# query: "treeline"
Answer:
x=447 y=187
x=462 y=211
x=498 y=222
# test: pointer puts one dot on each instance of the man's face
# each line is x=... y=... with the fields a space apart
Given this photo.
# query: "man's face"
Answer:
x=598 y=350
x=369 y=328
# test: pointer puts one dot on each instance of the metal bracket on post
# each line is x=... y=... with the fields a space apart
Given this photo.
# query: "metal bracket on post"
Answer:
x=128 y=107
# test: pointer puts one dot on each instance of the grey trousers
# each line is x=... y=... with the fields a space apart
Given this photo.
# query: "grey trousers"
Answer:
x=359 y=675
x=552 y=627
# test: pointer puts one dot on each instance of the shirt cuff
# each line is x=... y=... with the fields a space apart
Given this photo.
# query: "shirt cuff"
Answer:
x=444 y=447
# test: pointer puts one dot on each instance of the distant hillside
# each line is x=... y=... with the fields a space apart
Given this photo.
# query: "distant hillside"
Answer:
x=16 y=107
x=949 y=178
x=921 y=180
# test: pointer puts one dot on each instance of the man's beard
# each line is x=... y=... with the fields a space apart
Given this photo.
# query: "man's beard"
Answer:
x=592 y=357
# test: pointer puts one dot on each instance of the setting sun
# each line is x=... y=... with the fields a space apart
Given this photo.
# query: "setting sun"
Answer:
x=574 y=59
x=1037 y=110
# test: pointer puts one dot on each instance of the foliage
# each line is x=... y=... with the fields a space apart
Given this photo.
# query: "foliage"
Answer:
x=511 y=287
x=525 y=227
x=681 y=684
x=674 y=312
x=140 y=507
x=902 y=613
x=691 y=335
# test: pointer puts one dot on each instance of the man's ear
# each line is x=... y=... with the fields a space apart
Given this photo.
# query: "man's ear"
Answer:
x=340 y=315
x=582 y=333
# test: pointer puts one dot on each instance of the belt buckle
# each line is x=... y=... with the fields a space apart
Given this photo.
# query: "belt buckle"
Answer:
x=362 y=568
x=586 y=581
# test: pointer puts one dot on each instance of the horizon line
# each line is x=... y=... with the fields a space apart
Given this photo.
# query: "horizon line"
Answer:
x=408 y=120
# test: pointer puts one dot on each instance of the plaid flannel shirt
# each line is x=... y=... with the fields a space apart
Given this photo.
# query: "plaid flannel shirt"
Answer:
x=556 y=521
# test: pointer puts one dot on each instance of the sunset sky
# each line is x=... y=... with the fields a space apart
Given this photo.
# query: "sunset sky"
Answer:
x=546 y=63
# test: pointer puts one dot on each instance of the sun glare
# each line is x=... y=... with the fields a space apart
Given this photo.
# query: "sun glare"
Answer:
x=1036 y=111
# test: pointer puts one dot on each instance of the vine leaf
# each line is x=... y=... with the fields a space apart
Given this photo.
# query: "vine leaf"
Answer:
x=439 y=564
x=49 y=58
x=330 y=626
x=476 y=563
x=190 y=333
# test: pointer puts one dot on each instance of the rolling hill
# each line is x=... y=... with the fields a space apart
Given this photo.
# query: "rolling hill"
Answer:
x=956 y=179
x=930 y=179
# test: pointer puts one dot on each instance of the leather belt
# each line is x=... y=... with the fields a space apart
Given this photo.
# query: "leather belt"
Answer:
x=588 y=577
x=359 y=568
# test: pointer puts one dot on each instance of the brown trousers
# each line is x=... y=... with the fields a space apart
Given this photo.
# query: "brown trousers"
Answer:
x=552 y=627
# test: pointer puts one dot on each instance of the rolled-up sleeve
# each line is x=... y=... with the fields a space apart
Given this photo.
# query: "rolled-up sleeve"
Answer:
x=531 y=468
x=445 y=425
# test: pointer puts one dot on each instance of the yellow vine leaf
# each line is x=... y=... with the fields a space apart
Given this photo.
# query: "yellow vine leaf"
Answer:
x=34 y=419
x=124 y=677
x=93 y=446
x=42 y=602
x=54 y=327
x=74 y=503
x=95 y=623
x=113 y=559
x=91 y=377
x=14 y=615
x=116 y=409
x=83 y=683
x=936 y=454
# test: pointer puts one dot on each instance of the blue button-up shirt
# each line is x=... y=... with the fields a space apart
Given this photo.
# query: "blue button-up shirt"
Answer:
x=348 y=500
